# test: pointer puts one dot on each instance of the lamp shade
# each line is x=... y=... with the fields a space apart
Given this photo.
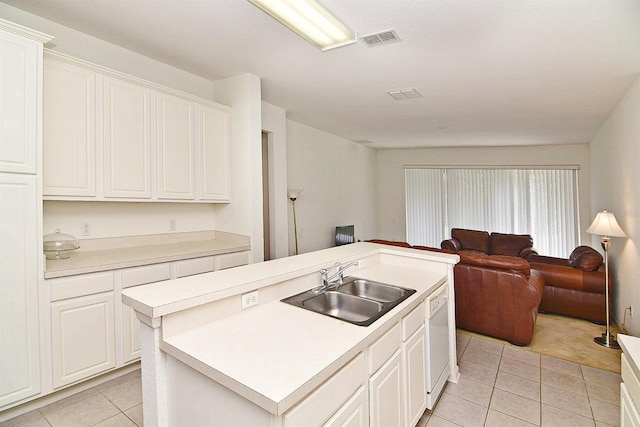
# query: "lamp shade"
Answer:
x=605 y=224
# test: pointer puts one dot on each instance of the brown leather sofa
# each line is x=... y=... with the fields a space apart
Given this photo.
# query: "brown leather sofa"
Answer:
x=575 y=286
x=520 y=245
x=497 y=295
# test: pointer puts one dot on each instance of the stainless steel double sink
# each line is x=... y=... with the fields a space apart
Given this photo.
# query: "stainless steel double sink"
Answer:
x=357 y=301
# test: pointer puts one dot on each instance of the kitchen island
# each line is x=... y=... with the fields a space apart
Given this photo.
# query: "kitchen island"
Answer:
x=206 y=360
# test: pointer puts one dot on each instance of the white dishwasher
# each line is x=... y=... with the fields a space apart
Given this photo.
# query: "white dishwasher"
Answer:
x=437 y=343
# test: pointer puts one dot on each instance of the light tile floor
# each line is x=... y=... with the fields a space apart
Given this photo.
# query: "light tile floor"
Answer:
x=509 y=386
x=499 y=386
x=116 y=403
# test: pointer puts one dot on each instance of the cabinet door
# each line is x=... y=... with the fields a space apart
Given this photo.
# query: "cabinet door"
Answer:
x=629 y=415
x=415 y=375
x=214 y=154
x=69 y=130
x=175 y=147
x=353 y=413
x=19 y=247
x=18 y=103
x=127 y=140
x=82 y=338
x=386 y=396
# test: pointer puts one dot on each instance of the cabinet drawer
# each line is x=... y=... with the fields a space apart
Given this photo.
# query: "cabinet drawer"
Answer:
x=195 y=266
x=80 y=285
x=320 y=405
x=143 y=275
x=412 y=321
x=232 y=260
x=630 y=379
x=381 y=350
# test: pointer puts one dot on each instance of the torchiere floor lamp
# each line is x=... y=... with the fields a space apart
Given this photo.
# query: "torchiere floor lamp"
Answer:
x=605 y=225
x=293 y=196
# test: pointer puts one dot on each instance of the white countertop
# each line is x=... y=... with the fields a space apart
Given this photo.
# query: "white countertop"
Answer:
x=274 y=354
x=97 y=255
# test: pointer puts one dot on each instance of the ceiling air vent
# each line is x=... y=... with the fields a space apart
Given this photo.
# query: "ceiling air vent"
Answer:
x=383 y=37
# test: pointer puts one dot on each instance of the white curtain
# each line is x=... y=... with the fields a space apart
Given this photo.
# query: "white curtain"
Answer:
x=540 y=202
x=425 y=202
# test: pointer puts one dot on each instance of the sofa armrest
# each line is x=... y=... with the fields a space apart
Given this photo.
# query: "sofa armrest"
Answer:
x=563 y=276
x=451 y=245
x=527 y=252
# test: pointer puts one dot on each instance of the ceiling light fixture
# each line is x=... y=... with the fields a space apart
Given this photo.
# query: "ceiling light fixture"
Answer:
x=310 y=20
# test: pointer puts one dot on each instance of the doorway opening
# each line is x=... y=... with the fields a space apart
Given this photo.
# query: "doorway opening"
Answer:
x=267 y=193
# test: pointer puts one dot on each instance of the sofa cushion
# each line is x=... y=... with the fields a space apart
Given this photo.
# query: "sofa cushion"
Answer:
x=585 y=258
x=509 y=244
x=471 y=240
x=502 y=262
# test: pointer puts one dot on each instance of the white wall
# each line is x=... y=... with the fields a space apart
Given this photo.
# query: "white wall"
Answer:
x=338 y=178
x=615 y=180
x=274 y=122
x=391 y=197
x=244 y=214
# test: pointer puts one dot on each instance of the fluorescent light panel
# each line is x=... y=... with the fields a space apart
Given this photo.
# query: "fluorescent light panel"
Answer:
x=310 y=20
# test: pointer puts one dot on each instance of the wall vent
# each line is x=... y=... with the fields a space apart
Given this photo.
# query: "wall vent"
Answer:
x=378 y=39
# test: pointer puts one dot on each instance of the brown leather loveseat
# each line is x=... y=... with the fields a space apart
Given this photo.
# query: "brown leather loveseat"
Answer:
x=574 y=286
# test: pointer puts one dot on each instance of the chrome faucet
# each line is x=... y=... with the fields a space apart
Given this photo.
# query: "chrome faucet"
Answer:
x=326 y=279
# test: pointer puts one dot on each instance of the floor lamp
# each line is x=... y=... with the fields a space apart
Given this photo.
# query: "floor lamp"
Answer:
x=293 y=195
x=605 y=225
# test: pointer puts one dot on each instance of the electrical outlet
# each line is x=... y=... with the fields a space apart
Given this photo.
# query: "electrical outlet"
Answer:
x=85 y=229
x=173 y=225
x=249 y=299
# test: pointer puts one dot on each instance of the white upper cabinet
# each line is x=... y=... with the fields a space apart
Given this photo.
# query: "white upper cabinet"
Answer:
x=69 y=130
x=127 y=140
x=175 y=145
x=18 y=103
x=214 y=153
x=109 y=136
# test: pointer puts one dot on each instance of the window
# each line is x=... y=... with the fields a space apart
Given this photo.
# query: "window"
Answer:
x=540 y=202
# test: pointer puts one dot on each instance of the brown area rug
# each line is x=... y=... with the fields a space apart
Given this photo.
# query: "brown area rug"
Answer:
x=570 y=339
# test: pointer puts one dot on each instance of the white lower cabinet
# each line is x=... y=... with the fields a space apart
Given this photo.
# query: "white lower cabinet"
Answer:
x=386 y=395
x=86 y=339
x=82 y=337
x=354 y=413
x=328 y=399
x=629 y=393
x=629 y=415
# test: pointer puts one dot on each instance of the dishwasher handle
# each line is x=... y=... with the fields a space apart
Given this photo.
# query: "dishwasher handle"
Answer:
x=437 y=301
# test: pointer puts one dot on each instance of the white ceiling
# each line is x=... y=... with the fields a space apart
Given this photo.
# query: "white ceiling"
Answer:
x=491 y=72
